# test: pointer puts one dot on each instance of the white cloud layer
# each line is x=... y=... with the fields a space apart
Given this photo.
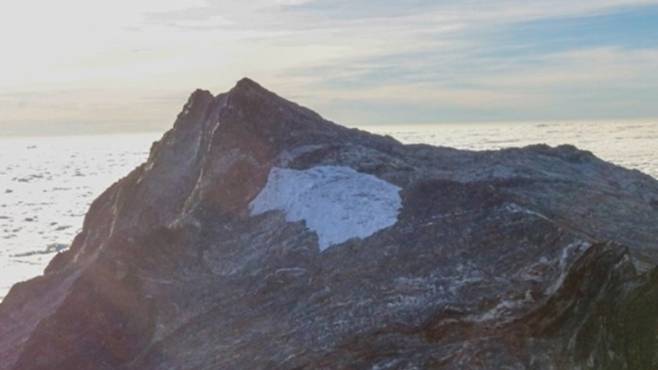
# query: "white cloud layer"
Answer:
x=135 y=61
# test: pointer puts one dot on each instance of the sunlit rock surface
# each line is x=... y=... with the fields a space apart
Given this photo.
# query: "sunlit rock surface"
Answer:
x=224 y=251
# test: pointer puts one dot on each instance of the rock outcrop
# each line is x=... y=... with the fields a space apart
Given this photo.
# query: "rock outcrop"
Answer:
x=260 y=236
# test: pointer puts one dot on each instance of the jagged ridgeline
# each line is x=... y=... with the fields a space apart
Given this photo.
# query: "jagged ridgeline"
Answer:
x=260 y=236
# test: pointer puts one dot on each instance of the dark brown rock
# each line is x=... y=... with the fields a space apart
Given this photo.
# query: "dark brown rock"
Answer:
x=530 y=258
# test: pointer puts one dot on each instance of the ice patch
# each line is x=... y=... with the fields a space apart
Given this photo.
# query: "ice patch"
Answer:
x=336 y=202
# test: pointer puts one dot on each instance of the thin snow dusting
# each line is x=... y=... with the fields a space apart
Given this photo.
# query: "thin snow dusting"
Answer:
x=336 y=202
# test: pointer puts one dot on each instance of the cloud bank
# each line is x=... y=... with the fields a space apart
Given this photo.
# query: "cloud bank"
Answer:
x=359 y=62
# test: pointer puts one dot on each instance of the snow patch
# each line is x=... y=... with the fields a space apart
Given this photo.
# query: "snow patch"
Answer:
x=515 y=208
x=336 y=202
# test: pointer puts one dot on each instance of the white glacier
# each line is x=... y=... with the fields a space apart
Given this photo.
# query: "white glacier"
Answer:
x=336 y=202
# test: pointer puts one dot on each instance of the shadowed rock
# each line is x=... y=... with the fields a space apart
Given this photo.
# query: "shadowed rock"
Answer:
x=531 y=258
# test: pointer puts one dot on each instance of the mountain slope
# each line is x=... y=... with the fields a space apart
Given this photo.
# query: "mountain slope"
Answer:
x=259 y=235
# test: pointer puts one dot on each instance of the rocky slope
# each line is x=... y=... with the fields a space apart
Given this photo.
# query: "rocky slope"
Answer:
x=260 y=236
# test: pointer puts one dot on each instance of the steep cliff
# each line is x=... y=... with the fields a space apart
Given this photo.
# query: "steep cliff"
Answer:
x=260 y=236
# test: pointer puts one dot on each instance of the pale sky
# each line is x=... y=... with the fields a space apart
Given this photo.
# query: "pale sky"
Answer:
x=74 y=66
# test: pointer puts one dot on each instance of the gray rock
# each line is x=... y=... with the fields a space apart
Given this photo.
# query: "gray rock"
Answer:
x=531 y=258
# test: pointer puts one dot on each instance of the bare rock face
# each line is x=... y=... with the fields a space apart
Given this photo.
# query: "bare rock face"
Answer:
x=260 y=236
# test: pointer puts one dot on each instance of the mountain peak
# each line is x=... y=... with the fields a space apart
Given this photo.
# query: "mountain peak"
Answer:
x=254 y=218
x=250 y=88
x=250 y=104
x=248 y=83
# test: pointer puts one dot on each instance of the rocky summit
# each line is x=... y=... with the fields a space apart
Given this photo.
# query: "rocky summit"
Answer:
x=259 y=235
